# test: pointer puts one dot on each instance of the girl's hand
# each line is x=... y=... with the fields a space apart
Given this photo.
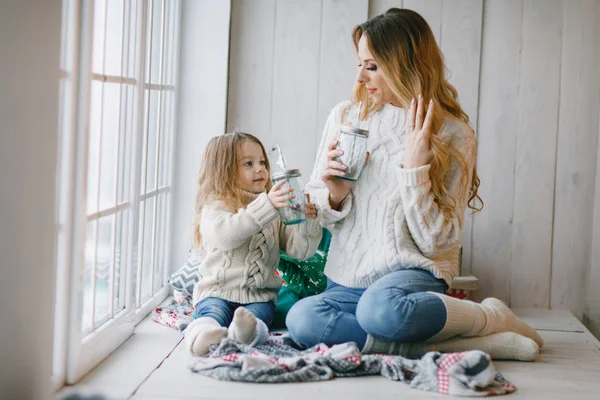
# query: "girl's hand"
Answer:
x=280 y=198
x=311 y=209
x=417 y=152
x=338 y=188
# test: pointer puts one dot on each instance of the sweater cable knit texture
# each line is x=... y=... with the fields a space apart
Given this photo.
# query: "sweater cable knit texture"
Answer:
x=390 y=221
x=241 y=250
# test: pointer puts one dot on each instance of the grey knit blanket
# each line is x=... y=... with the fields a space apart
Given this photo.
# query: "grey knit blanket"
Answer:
x=469 y=373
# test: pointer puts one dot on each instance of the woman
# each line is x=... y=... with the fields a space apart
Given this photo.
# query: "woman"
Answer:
x=396 y=231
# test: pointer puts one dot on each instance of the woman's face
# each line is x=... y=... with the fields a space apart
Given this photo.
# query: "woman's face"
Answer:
x=370 y=75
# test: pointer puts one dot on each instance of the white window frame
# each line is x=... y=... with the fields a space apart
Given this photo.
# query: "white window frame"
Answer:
x=77 y=352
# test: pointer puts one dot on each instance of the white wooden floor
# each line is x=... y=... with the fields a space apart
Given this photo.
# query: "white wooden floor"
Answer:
x=152 y=366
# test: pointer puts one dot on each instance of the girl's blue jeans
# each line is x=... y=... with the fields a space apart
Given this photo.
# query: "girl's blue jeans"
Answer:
x=222 y=310
x=397 y=307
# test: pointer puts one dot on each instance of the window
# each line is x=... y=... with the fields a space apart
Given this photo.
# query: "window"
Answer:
x=119 y=64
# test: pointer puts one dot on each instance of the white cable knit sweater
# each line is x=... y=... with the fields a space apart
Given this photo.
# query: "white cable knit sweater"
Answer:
x=390 y=221
x=241 y=250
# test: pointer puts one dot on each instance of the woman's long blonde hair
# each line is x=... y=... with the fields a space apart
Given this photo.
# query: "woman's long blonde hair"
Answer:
x=219 y=179
x=406 y=51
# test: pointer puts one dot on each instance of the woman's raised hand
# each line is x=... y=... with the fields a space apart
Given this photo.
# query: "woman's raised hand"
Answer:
x=417 y=151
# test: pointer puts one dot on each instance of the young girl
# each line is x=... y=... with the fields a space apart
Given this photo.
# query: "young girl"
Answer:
x=238 y=228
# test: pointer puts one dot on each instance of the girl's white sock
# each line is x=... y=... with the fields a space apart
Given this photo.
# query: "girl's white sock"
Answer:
x=201 y=333
x=247 y=329
x=243 y=326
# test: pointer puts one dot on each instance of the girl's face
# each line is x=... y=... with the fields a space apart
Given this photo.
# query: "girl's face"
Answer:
x=252 y=171
x=370 y=75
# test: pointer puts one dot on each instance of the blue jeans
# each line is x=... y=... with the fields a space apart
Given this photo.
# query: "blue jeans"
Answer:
x=222 y=310
x=396 y=307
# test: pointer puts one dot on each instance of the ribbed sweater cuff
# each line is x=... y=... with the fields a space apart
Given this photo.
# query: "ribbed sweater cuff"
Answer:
x=262 y=210
x=310 y=227
x=329 y=215
x=413 y=176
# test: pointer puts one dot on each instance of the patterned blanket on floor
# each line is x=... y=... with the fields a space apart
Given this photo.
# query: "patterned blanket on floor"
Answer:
x=469 y=373
x=175 y=314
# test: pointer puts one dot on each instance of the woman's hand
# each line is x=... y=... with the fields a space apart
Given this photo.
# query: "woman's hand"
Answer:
x=417 y=152
x=279 y=197
x=311 y=209
x=338 y=188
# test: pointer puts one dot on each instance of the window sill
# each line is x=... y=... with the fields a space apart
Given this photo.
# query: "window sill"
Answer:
x=122 y=372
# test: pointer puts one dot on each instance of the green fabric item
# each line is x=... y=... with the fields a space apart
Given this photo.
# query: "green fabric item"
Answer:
x=286 y=298
x=301 y=279
x=306 y=278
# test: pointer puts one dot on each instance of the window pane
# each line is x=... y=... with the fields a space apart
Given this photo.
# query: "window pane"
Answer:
x=169 y=60
x=98 y=40
x=114 y=38
x=133 y=41
x=154 y=55
x=127 y=136
x=88 y=290
x=120 y=261
x=146 y=236
x=165 y=134
x=94 y=146
x=104 y=264
x=150 y=128
x=109 y=144
x=160 y=244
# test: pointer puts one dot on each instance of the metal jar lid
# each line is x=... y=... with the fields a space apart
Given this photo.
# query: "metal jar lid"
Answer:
x=290 y=173
x=351 y=130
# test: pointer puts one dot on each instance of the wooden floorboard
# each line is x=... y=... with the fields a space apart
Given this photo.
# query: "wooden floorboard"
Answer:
x=551 y=320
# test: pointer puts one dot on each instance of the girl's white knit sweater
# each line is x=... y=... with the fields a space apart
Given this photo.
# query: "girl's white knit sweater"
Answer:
x=389 y=221
x=241 y=250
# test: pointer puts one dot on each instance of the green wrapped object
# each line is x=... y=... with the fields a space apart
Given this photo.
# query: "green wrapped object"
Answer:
x=301 y=279
x=306 y=278
x=286 y=298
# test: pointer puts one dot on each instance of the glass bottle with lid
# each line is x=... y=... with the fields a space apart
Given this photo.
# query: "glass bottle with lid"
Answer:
x=353 y=142
x=297 y=212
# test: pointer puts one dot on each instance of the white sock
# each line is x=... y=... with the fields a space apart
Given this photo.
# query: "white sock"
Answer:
x=500 y=346
x=468 y=319
x=243 y=326
x=201 y=333
x=501 y=318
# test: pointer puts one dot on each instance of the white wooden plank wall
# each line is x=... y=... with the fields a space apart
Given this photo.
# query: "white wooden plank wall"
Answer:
x=576 y=156
x=526 y=73
x=592 y=313
x=461 y=45
x=296 y=81
x=539 y=86
x=335 y=84
x=377 y=7
x=432 y=11
x=251 y=61
x=497 y=134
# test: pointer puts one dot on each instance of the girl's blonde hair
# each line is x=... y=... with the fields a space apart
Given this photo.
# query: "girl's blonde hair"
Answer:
x=219 y=179
x=406 y=51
